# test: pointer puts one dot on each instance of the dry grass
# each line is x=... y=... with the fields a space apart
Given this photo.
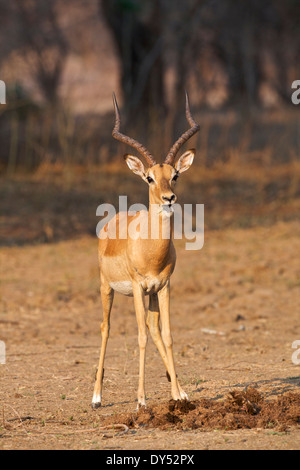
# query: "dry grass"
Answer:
x=59 y=201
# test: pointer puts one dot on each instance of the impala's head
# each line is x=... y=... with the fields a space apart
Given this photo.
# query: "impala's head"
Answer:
x=161 y=178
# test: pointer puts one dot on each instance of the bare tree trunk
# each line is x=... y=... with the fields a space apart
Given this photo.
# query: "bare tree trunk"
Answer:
x=138 y=35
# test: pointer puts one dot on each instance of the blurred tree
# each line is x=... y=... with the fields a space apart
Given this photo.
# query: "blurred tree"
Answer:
x=43 y=42
x=137 y=28
x=239 y=27
x=243 y=37
x=286 y=53
x=5 y=24
x=253 y=43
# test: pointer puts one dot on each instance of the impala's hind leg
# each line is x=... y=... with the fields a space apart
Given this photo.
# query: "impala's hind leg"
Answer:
x=107 y=295
x=153 y=325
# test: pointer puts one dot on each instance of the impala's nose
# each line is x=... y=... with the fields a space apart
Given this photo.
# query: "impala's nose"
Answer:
x=169 y=200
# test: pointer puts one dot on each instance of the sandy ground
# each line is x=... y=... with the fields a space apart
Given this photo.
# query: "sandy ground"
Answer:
x=244 y=285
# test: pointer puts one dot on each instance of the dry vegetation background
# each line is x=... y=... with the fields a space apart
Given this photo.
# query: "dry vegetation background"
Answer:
x=61 y=61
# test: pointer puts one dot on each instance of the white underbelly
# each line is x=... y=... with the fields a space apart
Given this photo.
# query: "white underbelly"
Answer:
x=123 y=287
x=149 y=285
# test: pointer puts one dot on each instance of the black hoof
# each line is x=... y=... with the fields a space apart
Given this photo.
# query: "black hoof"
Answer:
x=95 y=406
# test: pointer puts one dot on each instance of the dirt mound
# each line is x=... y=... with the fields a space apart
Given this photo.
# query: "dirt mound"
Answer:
x=247 y=409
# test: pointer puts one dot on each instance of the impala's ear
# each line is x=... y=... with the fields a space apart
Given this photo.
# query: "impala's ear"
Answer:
x=135 y=165
x=185 y=161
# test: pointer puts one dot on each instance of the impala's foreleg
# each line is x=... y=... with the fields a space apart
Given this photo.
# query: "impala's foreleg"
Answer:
x=139 y=304
x=107 y=295
x=164 y=307
x=153 y=325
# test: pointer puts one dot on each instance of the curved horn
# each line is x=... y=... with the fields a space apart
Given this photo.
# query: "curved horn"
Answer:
x=128 y=140
x=186 y=136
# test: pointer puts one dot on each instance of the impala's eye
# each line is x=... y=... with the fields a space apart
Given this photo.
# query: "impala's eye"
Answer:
x=149 y=179
x=175 y=177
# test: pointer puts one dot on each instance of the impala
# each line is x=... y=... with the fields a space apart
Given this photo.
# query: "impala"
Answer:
x=142 y=267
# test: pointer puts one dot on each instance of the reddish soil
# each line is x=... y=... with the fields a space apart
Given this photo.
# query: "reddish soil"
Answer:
x=240 y=410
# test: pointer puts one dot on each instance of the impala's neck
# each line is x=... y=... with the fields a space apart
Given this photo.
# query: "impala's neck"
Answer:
x=160 y=222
